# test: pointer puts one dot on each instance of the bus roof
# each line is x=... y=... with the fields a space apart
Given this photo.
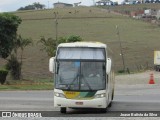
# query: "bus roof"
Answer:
x=83 y=44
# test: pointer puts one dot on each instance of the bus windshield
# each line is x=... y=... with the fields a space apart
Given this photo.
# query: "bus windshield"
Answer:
x=80 y=75
x=71 y=53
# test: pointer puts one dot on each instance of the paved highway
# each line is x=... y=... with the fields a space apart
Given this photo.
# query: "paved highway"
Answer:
x=127 y=98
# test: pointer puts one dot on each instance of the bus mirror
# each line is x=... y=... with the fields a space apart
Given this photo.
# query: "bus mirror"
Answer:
x=52 y=65
x=108 y=67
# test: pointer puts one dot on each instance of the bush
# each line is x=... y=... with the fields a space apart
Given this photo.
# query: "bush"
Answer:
x=3 y=75
x=74 y=38
x=50 y=44
x=8 y=27
x=121 y=71
x=14 y=66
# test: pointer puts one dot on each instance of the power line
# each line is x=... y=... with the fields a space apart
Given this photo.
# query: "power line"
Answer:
x=56 y=24
x=71 y=18
x=120 y=44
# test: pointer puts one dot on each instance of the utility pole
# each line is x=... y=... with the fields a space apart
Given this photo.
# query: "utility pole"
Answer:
x=120 y=44
x=56 y=25
x=48 y=4
x=94 y=4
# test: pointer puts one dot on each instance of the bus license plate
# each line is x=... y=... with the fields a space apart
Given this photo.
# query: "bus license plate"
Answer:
x=79 y=103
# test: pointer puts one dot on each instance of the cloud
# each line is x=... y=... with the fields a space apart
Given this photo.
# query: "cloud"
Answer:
x=7 y=2
x=8 y=5
x=13 y=5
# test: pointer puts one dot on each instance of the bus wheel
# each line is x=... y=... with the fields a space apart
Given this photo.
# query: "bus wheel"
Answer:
x=110 y=104
x=63 y=110
x=112 y=94
x=103 y=110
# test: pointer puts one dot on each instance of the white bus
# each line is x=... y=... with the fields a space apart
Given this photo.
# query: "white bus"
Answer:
x=83 y=76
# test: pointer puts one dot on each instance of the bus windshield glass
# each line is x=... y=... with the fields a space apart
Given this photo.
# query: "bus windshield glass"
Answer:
x=80 y=68
x=70 y=53
x=74 y=75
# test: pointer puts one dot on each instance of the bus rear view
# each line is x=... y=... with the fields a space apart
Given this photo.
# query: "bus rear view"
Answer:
x=82 y=76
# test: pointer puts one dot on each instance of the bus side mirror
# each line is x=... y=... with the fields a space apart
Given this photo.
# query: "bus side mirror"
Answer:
x=52 y=65
x=108 y=66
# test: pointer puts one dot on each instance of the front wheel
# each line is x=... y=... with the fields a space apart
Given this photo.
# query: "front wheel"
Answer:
x=103 y=110
x=110 y=104
x=63 y=110
x=112 y=94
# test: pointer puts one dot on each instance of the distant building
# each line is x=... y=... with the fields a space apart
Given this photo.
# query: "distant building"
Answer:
x=130 y=2
x=140 y=1
x=62 y=5
x=77 y=4
x=158 y=14
x=137 y=13
x=106 y=2
x=150 y=12
x=152 y=1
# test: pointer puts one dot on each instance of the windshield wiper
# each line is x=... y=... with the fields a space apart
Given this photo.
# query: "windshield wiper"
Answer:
x=87 y=83
x=69 y=86
x=76 y=78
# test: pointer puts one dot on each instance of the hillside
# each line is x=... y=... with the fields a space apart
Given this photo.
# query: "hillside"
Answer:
x=129 y=8
x=139 y=38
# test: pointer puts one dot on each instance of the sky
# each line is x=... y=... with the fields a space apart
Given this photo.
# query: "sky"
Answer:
x=13 y=5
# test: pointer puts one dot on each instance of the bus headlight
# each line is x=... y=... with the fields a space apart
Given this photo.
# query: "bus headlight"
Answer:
x=100 y=95
x=59 y=95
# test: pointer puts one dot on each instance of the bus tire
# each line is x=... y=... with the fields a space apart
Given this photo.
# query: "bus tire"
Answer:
x=103 y=110
x=110 y=104
x=112 y=94
x=63 y=110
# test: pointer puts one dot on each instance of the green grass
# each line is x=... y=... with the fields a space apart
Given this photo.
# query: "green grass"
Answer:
x=27 y=87
x=64 y=13
x=130 y=8
x=31 y=84
x=139 y=38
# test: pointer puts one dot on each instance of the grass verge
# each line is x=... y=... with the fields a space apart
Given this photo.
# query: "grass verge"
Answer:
x=40 y=84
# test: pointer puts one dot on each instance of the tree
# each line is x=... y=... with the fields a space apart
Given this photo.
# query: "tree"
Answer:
x=50 y=44
x=37 y=5
x=28 y=7
x=15 y=65
x=21 y=43
x=8 y=28
x=34 y=6
x=10 y=42
x=74 y=38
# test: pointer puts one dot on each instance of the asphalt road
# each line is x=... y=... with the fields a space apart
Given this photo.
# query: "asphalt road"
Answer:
x=128 y=98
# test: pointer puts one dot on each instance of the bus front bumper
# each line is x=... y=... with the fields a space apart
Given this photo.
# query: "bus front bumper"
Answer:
x=91 y=103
